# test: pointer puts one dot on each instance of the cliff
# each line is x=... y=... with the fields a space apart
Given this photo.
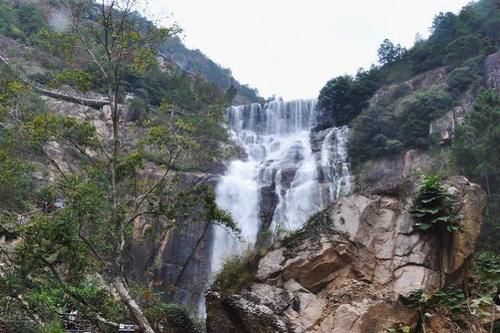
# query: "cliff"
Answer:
x=356 y=265
x=349 y=271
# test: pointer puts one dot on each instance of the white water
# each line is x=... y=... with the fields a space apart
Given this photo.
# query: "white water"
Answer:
x=277 y=141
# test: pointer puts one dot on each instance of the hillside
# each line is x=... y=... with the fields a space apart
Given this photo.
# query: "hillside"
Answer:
x=26 y=22
x=196 y=63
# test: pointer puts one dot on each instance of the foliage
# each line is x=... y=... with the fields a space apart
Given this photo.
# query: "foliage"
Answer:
x=466 y=35
x=380 y=131
x=57 y=43
x=138 y=109
x=238 y=272
x=344 y=97
x=461 y=78
x=175 y=317
x=389 y=53
x=487 y=268
x=199 y=65
x=31 y=18
x=417 y=113
x=464 y=306
x=475 y=146
x=452 y=298
x=374 y=135
x=435 y=209
x=78 y=79
x=62 y=251
x=475 y=151
x=22 y=20
x=454 y=42
x=318 y=225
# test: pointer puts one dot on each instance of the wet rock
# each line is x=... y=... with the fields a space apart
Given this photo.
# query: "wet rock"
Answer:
x=317 y=139
x=268 y=202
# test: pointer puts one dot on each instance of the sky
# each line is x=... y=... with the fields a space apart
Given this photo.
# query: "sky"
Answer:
x=291 y=48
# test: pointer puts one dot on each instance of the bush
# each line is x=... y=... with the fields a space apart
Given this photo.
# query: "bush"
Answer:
x=31 y=19
x=137 y=109
x=461 y=78
x=238 y=272
x=318 y=225
x=374 y=122
x=418 y=112
x=435 y=209
x=21 y=22
x=172 y=318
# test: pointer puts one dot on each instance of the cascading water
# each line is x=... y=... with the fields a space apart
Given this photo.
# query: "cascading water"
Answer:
x=289 y=174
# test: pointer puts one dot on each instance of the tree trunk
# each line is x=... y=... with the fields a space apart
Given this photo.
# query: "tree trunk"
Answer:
x=122 y=289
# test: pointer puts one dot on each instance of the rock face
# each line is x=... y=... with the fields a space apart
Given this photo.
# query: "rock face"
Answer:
x=173 y=262
x=445 y=126
x=393 y=175
x=350 y=276
x=492 y=71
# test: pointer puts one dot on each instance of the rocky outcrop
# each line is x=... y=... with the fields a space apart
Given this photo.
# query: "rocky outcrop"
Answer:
x=394 y=175
x=445 y=125
x=492 y=71
x=349 y=272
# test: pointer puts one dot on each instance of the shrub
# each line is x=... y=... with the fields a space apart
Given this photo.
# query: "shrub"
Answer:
x=318 y=225
x=137 y=109
x=463 y=48
x=238 y=272
x=171 y=318
x=31 y=18
x=418 y=112
x=374 y=122
x=461 y=78
x=435 y=209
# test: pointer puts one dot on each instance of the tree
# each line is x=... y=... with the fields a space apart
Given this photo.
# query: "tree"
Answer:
x=444 y=26
x=31 y=19
x=389 y=53
x=475 y=147
x=61 y=251
x=344 y=97
x=417 y=113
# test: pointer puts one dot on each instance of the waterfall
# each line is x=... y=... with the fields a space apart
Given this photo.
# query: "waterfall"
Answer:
x=289 y=172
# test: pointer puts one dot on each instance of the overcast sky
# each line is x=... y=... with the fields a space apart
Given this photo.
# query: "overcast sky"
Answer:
x=292 y=47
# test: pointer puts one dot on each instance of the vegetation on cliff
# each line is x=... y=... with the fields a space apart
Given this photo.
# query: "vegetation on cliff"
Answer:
x=382 y=129
x=72 y=217
x=399 y=108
